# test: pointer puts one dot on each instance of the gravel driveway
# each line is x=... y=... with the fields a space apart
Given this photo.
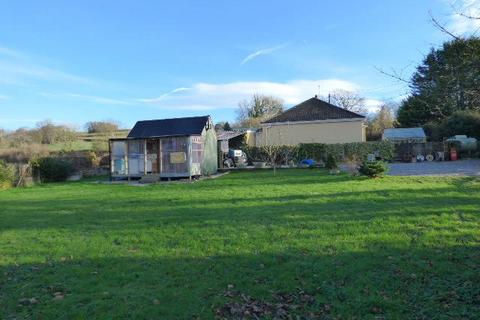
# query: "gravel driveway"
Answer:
x=446 y=168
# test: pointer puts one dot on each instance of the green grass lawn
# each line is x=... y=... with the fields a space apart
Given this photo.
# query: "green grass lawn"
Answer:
x=304 y=242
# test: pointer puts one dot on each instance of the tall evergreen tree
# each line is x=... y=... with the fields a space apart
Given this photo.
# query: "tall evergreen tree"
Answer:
x=448 y=80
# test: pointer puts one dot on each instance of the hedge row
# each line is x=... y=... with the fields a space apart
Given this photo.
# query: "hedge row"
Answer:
x=320 y=151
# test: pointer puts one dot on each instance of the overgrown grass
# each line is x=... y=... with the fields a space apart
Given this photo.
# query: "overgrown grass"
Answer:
x=78 y=145
x=393 y=248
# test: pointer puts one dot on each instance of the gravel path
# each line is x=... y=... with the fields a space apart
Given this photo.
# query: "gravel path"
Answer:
x=446 y=168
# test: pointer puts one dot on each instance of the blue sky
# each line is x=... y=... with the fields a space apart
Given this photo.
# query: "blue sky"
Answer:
x=76 y=61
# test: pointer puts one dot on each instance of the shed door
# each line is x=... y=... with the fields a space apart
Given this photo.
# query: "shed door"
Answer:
x=152 y=156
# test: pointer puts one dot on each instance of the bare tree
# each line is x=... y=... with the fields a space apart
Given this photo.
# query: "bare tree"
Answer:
x=382 y=120
x=348 y=100
x=272 y=152
x=251 y=113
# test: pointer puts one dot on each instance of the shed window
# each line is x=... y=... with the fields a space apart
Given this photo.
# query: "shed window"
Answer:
x=173 y=150
x=136 y=157
x=119 y=150
x=197 y=150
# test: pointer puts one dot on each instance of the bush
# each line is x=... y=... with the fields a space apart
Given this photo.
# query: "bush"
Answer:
x=49 y=133
x=93 y=158
x=7 y=175
x=460 y=122
x=52 y=169
x=373 y=169
x=331 y=162
x=101 y=127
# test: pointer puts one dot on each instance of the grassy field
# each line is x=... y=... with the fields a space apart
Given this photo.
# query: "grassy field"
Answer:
x=301 y=243
x=88 y=141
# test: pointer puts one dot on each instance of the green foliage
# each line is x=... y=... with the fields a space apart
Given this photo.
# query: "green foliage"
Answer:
x=315 y=151
x=373 y=169
x=446 y=81
x=50 y=169
x=49 y=133
x=331 y=162
x=460 y=122
x=272 y=154
x=319 y=151
x=180 y=251
x=226 y=126
x=101 y=127
x=7 y=175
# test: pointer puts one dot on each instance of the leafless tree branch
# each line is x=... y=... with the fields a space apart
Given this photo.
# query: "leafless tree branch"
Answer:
x=395 y=75
x=441 y=27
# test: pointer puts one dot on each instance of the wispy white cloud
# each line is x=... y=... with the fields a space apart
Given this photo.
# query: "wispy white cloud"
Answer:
x=88 y=98
x=263 y=52
x=164 y=95
x=211 y=96
x=4 y=97
x=373 y=105
x=459 y=21
x=20 y=68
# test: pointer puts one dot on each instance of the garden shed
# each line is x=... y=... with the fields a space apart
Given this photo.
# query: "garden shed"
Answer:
x=405 y=135
x=166 y=148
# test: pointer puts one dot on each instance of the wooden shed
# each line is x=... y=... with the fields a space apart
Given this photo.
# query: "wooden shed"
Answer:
x=167 y=148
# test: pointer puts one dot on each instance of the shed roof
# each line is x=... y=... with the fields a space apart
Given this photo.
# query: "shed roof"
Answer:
x=314 y=109
x=227 y=135
x=404 y=133
x=169 y=127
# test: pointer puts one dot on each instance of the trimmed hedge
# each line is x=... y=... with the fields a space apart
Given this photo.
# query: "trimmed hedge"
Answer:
x=320 y=152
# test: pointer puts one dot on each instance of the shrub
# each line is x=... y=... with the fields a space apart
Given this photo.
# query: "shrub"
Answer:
x=93 y=158
x=49 y=133
x=51 y=169
x=352 y=165
x=101 y=126
x=7 y=175
x=331 y=162
x=373 y=169
x=460 y=122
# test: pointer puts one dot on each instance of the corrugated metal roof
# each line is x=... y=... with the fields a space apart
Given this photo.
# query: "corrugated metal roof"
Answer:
x=169 y=127
x=404 y=133
x=227 y=135
x=314 y=109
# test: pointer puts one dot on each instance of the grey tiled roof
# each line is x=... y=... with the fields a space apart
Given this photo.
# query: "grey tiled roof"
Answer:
x=314 y=109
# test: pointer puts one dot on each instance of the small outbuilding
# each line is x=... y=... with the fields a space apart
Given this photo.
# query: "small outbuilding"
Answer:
x=405 y=135
x=166 y=148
